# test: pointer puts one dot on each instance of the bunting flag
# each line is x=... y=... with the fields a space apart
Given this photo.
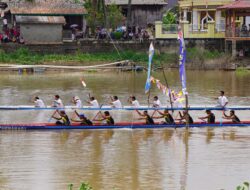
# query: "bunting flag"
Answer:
x=182 y=60
x=150 y=58
x=160 y=86
x=176 y=97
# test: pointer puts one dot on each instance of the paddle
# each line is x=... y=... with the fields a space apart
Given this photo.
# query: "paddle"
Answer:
x=203 y=120
x=88 y=101
x=154 y=113
x=32 y=99
x=97 y=113
x=49 y=120
x=83 y=83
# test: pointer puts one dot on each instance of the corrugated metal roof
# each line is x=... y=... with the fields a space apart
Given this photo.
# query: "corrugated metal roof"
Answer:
x=46 y=7
x=240 y=4
x=137 y=2
x=41 y=19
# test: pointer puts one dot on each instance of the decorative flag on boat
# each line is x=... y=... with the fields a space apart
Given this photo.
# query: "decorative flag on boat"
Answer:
x=160 y=86
x=150 y=57
x=182 y=60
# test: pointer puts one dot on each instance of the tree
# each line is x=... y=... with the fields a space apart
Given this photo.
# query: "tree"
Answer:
x=101 y=15
x=115 y=16
x=169 y=18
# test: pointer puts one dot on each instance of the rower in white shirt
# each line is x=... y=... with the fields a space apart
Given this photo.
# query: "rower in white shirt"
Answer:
x=39 y=103
x=134 y=102
x=57 y=102
x=222 y=100
x=76 y=100
x=157 y=102
x=116 y=103
x=93 y=102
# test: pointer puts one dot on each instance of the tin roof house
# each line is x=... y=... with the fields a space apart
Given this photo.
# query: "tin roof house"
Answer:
x=46 y=21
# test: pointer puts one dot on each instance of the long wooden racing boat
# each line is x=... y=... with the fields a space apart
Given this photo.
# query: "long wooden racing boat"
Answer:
x=49 y=126
x=125 y=108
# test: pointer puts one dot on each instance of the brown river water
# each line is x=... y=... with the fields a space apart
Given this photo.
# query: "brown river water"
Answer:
x=170 y=159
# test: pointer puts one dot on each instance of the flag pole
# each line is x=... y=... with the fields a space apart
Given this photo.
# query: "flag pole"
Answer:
x=149 y=93
x=182 y=68
x=166 y=82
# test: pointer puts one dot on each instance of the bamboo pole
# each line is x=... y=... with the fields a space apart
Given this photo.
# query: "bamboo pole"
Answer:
x=166 y=82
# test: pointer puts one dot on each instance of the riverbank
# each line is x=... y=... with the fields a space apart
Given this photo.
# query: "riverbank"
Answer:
x=197 y=58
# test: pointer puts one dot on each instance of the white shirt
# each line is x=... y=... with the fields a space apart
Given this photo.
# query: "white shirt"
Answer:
x=78 y=103
x=5 y=22
x=58 y=103
x=135 y=103
x=39 y=103
x=94 y=104
x=117 y=104
x=157 y=104
x=222 y=100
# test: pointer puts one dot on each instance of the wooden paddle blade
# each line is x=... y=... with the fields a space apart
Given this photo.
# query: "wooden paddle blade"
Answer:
x=83 y=84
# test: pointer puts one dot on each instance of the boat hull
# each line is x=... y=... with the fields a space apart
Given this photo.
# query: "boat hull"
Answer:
x=46 y=126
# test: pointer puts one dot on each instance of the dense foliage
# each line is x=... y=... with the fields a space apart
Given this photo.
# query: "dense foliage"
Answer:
x=170 y=17
x=100 y=15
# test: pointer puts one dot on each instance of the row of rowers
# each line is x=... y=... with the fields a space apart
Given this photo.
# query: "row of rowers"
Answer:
x=184 y=117
x=114 y=101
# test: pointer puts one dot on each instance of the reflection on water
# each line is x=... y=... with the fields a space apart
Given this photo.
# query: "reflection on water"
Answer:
x=125 y=159
x=164 y=159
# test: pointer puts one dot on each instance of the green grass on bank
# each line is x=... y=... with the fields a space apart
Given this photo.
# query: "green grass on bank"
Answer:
x=202 y=54
x=24 y=56
x=241 y=71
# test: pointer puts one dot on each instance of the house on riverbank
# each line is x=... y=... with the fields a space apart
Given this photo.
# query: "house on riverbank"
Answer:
x=199 y=19
x=143 y=12
x=237 y=35
x=46 y=21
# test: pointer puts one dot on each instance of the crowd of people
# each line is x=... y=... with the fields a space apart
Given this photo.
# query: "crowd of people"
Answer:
x=9 y=34
x=184 y=117
x=132 y=33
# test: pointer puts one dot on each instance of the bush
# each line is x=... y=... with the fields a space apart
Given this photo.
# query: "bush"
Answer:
x=117 y=35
